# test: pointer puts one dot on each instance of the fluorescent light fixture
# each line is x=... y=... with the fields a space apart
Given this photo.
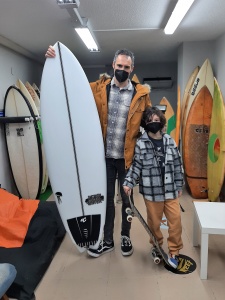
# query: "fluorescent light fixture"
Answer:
x=81 y=25
x=177 y=15
x=87 y=38
x=68 y=3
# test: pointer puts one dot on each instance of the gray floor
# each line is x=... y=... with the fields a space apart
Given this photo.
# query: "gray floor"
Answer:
x=75 y=276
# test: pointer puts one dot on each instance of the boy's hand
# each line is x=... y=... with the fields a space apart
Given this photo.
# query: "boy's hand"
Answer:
x=127 y=190
x=179 y=194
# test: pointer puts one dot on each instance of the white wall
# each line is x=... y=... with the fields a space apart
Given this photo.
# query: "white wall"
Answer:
x=13 y=66
x=160 y=70
x=220 y=62
x=191 y=55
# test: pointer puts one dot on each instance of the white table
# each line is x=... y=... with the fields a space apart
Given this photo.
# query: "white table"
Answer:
x=210 y=216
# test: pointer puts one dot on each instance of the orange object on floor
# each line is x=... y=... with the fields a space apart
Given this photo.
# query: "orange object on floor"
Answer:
x=15 y=216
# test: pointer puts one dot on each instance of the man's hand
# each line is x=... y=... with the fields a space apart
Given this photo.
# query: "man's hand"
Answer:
x=50 y=52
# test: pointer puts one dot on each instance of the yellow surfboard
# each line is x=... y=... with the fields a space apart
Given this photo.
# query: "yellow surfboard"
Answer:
x=170 y=117
x=216 y=146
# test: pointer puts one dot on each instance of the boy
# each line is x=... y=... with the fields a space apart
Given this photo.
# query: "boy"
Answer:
x=157 y=164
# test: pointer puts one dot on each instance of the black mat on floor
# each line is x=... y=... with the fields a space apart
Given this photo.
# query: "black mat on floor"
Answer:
x=44 y=236
x=186 y=265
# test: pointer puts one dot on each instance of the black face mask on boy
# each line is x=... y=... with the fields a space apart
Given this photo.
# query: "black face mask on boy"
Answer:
x=121 y=75
x=153 y=127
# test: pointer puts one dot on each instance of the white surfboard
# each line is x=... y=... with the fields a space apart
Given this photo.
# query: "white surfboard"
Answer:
x=26 y=93
x=23 y=144
x=74 y=148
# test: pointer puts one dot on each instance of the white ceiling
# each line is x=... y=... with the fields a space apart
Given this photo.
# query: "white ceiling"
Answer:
x=29 y=26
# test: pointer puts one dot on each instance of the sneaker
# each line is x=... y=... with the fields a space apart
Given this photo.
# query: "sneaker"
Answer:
x=126 y=246
x=103 y=248
x=173 y=260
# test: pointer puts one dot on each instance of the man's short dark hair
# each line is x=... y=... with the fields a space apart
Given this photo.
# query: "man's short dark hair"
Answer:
x=124 y=52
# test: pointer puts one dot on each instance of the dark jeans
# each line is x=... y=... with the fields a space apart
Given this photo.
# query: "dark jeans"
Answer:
x=114 y=167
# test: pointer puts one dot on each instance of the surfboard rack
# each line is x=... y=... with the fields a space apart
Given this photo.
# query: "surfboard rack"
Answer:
x=22 y=119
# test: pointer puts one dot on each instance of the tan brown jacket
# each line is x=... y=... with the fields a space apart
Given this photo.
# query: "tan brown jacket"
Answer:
x=140 y=101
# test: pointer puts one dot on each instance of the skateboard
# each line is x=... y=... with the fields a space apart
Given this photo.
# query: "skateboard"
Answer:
x=158 y=254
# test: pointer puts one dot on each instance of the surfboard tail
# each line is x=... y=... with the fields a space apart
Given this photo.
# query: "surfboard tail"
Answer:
x=85 y=229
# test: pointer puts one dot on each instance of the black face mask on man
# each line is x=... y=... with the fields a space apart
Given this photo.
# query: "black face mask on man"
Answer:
x=121 y=75
x=153 y=127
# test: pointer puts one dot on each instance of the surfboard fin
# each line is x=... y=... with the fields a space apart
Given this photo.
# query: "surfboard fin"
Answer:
x=85 y=229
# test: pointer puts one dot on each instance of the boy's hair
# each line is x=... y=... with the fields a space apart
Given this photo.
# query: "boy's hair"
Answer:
x=124 y=52
x=147 y=115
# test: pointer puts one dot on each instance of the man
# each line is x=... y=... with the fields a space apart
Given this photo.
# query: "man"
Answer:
x=120 y=105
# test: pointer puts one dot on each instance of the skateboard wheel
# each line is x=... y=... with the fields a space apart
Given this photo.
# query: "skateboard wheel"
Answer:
x=128 y=210
x=129 y=218
x=155 y=256
x=157 y=260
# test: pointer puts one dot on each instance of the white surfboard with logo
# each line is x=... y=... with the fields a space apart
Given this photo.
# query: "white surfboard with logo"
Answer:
x=74 y=148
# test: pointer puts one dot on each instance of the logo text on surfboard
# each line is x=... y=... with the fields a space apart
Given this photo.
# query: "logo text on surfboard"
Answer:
x=94 y=199
x=202 y=129
x=195 y=86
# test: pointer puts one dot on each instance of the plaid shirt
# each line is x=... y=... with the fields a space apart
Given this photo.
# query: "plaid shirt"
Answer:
x=146 y=168
x=118 y=108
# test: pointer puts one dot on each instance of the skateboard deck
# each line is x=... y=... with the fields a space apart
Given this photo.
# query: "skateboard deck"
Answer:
x=186 y=264
x=133 y=211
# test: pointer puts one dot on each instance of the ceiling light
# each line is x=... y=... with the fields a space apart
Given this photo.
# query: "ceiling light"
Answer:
x=177 y=15
x=81 y=25
x=68 y=3
x=87 y=38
